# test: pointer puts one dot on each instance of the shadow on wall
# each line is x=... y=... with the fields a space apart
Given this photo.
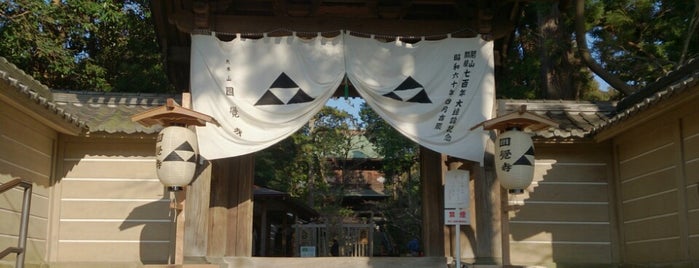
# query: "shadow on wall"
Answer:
x=155 y=223
x=113 y=183
x=565 y=216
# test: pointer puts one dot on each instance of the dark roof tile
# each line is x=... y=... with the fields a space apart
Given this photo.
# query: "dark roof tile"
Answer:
x=576 y=119
x=111 y=112
x=685 y=80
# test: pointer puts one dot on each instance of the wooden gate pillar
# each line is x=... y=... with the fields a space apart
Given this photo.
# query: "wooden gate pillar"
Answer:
x=488 y=210
x=231 y=207
x=197 y=216
x=432 y=169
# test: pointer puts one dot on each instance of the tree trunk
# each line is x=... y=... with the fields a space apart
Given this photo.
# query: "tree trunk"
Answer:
x=554 y=48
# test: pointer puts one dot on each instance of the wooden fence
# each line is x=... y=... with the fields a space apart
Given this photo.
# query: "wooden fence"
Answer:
x=316 y=240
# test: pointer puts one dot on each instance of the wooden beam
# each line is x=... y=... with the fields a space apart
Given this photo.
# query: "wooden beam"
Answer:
x=520 y=119
x=263 y=24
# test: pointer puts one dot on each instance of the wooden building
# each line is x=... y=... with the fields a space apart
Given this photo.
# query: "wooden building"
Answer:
x=615 y=183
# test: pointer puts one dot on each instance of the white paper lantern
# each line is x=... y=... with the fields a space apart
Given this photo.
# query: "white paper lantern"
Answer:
x=514 y=160
x=176 y=154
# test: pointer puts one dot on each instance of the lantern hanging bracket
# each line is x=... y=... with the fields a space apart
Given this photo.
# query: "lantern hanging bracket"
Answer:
x=520 y=119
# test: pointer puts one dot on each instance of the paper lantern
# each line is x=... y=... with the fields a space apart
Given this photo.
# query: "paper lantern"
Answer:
x=514 y=160
x=176 y=156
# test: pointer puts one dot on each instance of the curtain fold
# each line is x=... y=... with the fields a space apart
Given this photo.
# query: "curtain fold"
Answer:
x=260 y=90
x=263 y=90
x=432 y=92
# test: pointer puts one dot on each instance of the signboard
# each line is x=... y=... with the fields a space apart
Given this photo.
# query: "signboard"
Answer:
x=308 y=251
x=456 y=198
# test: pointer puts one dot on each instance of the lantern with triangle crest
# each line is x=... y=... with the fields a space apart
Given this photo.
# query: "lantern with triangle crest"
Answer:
x=514 y=149
x=176 y=149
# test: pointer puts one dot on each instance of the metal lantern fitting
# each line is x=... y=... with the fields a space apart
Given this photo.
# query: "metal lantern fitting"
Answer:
x=514 y=149
x=514 y=160
x=176 y=153
x=176 y=148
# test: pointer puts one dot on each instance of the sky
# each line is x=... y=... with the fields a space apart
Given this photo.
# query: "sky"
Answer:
x=350 y=105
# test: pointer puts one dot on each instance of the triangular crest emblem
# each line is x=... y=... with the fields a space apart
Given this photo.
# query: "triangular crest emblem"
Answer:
x=283 y=81
x=185 y=146
x=173 y=156
x=300 y=97
x=409 y=91
x=281 y=90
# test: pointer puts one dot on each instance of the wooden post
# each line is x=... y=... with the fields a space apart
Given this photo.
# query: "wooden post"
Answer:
x=432 y=171
x=264 y=231
x=179 y=224
x=197 y=209
x=231 y=207
x=488 y=212
x=218 y=206
x=505 y=227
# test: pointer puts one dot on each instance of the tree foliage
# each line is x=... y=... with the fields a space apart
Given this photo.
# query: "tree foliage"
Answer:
x=541 y=60
x=103 y=45
x=399 y=153
x=636 y=40
x=402 y=171
x=302 y=163
x=303 y=166
x=642 y=40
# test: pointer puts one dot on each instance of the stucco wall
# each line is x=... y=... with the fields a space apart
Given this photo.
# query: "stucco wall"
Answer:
x=110 y=205
x=566 y=216
x=26 y=150
x=658 y=171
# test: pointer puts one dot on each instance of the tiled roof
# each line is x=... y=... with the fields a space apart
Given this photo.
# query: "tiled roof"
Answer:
x=111 y=112
x=576 y=119
x=36 y=92
x=684 y=80
x=362 y=148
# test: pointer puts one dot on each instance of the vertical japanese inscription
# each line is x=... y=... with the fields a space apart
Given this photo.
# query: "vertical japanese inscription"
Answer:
x=462 y=63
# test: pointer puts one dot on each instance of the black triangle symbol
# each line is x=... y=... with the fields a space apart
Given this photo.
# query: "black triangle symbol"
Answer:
x=420 y=97
x=392 y=96
x=409 y=83
x=185 y=146
x=269 y=99
x=192 y=159
x=173 y=156
x=300 y=97
x=522 y=161
x=283 y=81
x=530 y=151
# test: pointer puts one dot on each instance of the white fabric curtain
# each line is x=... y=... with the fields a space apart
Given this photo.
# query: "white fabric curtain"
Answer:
x=433 y=92
x=260 y=90
x=263 y=90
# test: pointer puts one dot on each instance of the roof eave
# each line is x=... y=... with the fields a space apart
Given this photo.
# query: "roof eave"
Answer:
x=639 y=114
x=44 y=112
x=27 y=95
x=652 y=106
